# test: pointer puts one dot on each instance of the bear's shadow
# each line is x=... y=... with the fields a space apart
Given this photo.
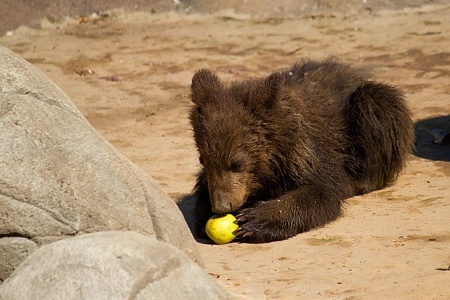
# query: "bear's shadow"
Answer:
x=186 y=205
x=427 y=132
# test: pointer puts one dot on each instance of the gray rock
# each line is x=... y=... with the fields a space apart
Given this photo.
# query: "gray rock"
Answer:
x=110 y=265
x=13 y=250
x=59 y=177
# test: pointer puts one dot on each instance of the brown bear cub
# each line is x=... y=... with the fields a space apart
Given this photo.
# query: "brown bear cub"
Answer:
x=283 y=152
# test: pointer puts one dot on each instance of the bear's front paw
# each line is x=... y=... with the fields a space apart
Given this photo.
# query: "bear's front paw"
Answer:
x=250 y=225
x=262 y=223
x=267 y=221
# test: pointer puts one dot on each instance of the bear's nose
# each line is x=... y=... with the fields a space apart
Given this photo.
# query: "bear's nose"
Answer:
x=222 y=208
x=220 y=203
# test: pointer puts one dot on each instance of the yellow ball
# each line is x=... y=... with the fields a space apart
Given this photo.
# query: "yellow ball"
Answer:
x=220 y=228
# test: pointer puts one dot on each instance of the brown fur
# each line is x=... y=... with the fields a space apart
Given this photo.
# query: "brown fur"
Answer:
x=283 y=152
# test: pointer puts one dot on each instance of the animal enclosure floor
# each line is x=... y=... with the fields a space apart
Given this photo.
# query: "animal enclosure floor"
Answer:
x=129 y=74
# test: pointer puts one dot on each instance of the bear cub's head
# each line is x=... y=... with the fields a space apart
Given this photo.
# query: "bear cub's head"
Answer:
x=231 y=131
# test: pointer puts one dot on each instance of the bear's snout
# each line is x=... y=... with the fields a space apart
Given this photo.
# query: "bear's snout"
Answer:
x=221 y=207
x=227 y=192
x=222 y=201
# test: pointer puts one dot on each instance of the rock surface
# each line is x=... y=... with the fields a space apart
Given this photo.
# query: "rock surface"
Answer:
x=14 y=250
x=59 y=177
x=110 y=265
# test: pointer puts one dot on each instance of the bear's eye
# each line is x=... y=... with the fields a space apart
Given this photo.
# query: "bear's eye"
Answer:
x=237 y=165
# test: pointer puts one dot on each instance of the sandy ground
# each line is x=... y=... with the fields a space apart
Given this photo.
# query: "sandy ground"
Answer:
x=129 y=74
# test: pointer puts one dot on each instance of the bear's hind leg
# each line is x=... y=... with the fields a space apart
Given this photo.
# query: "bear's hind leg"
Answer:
x=381 y=132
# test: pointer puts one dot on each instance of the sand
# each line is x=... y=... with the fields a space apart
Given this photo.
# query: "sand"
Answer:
x=129 y=74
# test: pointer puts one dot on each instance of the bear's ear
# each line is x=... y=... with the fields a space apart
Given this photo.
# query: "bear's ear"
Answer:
x=205 y=85
x=266 y=95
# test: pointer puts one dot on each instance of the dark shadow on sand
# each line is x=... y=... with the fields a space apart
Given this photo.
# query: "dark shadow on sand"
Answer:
x=186 y=205
x=428 y=132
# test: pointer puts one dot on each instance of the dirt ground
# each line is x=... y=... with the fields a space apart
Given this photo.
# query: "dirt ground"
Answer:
x=129 y=74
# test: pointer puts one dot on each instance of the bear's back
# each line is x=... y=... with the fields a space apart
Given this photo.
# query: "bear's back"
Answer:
x=324 y=84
